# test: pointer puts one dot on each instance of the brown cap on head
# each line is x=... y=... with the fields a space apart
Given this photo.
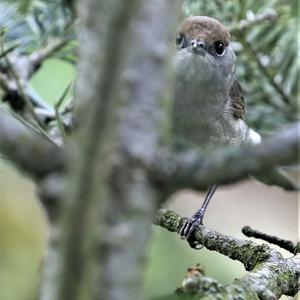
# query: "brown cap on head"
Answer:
x=205 y=28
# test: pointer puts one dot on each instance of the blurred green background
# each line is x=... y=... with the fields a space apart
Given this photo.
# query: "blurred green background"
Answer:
x=269 y=209
x=22 y=222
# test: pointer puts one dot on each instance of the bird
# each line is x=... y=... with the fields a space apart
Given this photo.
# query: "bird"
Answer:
x=208 y=107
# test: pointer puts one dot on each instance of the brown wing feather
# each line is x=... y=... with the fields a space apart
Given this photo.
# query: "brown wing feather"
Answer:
x=237 y=100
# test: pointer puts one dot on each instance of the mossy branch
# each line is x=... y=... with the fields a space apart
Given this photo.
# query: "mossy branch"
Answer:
x=271 y=275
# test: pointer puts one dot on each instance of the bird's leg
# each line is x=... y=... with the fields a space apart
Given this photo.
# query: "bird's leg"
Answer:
x=189 y=226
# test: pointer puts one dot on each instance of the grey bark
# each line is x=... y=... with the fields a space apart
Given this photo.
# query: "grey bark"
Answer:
x=143 y=99
x=107 y=191
x=199 y=170
x=28 y=149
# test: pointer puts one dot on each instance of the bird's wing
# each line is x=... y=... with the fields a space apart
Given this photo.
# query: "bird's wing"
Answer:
x=237 y=100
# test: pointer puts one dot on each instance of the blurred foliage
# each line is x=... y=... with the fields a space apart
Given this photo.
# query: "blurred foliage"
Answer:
x=267 y=54
x=22 y=6
x=36 y=26
x=272 y=42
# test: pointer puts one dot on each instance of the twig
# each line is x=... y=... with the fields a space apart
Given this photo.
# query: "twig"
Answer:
x=40 y=55
x=269 y=16
x=26 y=123
x=265 y=71
x=238 y=30
x=10 y=91
x=24 y=96
x=40 y=125
x=7 y=51
x=285 y=244
x=57 y=114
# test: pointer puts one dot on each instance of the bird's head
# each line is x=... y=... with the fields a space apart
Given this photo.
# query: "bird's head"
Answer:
x=203 y=50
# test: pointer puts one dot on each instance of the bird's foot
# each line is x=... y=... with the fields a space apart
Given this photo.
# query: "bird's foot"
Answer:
x=188 y=229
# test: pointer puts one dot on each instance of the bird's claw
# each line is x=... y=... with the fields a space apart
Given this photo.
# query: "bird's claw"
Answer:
x=188 y=229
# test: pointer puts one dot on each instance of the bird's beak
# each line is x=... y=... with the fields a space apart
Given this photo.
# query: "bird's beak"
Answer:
x=198 y=47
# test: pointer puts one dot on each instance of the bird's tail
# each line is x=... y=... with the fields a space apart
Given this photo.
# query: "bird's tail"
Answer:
x=280 y=177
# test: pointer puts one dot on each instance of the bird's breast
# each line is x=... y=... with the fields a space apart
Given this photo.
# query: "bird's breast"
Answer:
x=202 y=115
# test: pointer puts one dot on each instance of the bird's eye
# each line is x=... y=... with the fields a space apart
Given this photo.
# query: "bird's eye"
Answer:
x=180 y=41
x=220 y=48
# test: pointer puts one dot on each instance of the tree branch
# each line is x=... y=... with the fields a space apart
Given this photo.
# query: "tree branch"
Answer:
x=28 y=149
x=16 y=88
x=270 y=280
x=272 y=275
x=16 y=98
x=105 y=30
x=247 y=252
x=200 y=170
x=116 y=191
x=39 y=56
x=20 y=88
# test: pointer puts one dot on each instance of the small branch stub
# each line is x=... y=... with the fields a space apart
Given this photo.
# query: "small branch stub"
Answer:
x=284 y=244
